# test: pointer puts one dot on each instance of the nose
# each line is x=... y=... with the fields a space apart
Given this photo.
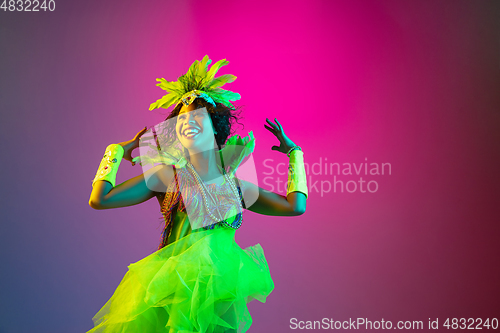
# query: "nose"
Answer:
x=189 y=119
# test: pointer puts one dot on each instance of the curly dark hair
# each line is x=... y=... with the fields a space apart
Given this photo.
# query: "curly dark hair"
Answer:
x=223 y=119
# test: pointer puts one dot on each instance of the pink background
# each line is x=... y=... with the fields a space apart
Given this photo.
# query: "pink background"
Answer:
x=410 y=83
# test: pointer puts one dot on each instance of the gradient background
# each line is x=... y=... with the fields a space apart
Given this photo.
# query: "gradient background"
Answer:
x=411 y=83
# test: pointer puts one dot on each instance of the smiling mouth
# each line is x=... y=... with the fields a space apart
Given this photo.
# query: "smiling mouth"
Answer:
x=191 y=133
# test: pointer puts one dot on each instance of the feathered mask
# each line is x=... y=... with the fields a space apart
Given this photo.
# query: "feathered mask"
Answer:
x=198 y=82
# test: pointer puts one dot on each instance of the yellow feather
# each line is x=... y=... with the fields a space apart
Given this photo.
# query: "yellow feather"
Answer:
x=221 y=80
x=213 y=70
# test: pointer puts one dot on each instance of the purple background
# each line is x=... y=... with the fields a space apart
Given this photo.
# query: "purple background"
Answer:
x=410 y=83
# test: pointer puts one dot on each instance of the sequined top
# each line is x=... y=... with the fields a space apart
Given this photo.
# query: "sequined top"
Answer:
x=174 y=212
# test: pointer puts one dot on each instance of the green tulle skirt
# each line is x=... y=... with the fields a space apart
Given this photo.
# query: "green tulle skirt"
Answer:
x=200 y=283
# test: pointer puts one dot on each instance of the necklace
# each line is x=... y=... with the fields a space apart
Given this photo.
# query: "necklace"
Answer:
x=215 y=190
x=205 y=191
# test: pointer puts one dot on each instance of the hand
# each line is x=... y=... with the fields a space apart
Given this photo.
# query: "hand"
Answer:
x=129 y=146
x=277 y=130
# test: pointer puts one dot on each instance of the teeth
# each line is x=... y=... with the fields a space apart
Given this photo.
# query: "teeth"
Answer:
x=191 y=131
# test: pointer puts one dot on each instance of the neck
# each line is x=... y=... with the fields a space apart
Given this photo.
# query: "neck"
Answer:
x=205 y=163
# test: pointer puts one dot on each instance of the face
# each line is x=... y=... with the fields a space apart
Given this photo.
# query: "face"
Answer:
x=194 y=129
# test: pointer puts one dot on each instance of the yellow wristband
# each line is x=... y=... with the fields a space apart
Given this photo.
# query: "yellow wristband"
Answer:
x=109 y=164
x=296 y=173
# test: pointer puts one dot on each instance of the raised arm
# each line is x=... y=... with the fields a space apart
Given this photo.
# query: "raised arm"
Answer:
x=133 y=191
x=270 y=203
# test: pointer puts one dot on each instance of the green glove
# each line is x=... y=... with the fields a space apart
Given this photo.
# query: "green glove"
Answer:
x=109 y=164
x=296 y=173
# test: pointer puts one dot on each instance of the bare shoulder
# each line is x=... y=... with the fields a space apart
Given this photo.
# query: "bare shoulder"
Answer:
x=159 y=177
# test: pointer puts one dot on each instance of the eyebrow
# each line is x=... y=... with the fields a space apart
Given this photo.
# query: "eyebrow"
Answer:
x=199 y=109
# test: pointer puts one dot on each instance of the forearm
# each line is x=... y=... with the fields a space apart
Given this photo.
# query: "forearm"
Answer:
x=294 y=203
x=298 y=202
x=105 y=178
x=131 y=192
x=100 y=189
x=106 y=195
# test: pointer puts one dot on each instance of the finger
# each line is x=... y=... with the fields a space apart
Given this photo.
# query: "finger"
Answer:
x=279 y=125
x=273 y=125
x=144 y=131
x=270 y=129
x=141 y=132
x=275 y=148
x=145 y=138
x=135 y=160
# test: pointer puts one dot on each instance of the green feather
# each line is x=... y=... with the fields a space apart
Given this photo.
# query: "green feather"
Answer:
x=173 y=87
x=198 y=78
x=203 y=66
x=193 y=69
x=213 y=70
x=221 y=80
x=225 y=94
x=164 y=102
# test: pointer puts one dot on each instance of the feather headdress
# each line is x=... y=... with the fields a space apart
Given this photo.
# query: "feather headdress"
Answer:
x=198 y=82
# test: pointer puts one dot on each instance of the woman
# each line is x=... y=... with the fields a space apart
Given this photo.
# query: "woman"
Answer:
x=199 y=280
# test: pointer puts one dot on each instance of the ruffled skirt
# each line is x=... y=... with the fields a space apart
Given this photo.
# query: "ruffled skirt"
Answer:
x=200 y=283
